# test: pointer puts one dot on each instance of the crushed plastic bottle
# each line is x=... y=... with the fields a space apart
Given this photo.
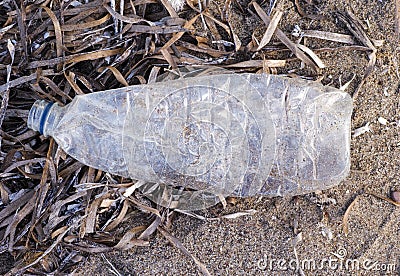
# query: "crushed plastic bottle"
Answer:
x=209 y=134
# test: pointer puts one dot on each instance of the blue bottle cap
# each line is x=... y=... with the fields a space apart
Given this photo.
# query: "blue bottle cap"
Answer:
x=38 y=115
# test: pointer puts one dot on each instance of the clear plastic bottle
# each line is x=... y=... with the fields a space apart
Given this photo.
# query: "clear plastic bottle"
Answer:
x=214 y=133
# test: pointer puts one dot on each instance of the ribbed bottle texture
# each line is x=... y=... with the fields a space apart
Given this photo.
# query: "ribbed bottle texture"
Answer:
x=216 y=135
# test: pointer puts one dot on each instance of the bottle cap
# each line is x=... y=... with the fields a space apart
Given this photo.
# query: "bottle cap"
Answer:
x=38 y=115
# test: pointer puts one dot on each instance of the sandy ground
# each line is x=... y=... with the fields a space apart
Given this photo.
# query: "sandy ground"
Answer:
x=305 y=228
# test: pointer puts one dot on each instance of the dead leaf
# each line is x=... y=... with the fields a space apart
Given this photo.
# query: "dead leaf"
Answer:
x=270 y=29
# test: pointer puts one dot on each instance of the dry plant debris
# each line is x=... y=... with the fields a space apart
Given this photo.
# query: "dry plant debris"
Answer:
x=53 y=209
x=345 y=222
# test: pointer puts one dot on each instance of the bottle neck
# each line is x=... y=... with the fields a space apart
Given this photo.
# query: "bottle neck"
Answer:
x=42 y=116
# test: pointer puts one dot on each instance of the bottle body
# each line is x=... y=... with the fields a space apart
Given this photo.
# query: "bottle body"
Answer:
x=219 y=135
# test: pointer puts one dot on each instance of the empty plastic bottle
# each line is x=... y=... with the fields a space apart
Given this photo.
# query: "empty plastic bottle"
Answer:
x=209 y=134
